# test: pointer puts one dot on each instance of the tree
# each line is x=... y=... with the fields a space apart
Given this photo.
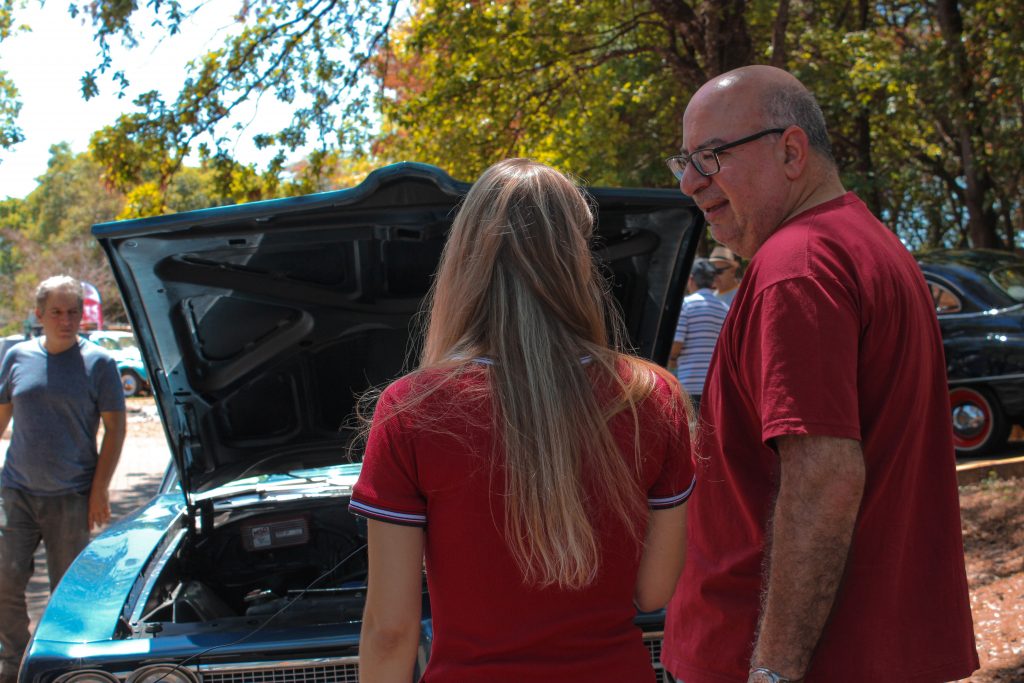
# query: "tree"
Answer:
x=923 y=99
x=597 y=88
x=10 y=133
x=48 y=233
x=978 y=116
x=310 y=55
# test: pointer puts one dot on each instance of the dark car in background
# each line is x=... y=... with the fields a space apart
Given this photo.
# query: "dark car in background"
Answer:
x=260 y=325
x=979 y=299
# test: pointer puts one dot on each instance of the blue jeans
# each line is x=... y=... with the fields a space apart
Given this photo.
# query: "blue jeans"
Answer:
x=62 y=523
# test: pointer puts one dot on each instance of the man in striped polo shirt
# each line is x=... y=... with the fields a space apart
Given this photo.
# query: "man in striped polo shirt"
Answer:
x=700 y=321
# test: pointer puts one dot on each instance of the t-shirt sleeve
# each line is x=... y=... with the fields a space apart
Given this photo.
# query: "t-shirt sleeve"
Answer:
x=676 y=479
x=802 y=361
x=388 y=489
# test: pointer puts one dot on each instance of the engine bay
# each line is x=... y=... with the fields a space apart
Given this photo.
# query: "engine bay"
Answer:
x=303 y=565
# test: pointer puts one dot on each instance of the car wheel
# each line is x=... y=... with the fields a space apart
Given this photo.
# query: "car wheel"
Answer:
x=131 y=383
x=979 y=425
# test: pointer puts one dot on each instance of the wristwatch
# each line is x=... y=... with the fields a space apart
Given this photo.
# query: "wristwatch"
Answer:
x=772 y=677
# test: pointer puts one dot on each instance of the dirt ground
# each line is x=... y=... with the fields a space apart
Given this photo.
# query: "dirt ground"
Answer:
x=993 y=522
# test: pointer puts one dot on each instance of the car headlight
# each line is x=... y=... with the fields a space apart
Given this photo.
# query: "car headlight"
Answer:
x=87 y=676
x=163 y=673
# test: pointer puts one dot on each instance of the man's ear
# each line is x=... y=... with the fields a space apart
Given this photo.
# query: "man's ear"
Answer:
x=795 y=149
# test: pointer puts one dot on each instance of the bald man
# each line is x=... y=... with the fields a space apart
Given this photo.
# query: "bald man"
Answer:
x=824 y=543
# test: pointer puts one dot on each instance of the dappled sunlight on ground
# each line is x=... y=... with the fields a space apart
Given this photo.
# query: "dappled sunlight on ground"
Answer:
x=993 y=525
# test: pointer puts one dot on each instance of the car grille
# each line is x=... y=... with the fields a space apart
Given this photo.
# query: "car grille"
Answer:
x=346 y=669
x=653 y=642
x=343 y=670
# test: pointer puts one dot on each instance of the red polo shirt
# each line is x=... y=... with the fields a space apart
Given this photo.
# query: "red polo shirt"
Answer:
x=833 y=333
x=434 y=468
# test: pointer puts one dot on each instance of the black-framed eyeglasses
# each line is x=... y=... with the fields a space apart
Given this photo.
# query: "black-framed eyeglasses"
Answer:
x=705 y=161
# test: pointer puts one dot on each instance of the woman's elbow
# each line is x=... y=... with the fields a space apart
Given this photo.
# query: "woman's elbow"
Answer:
x=650 y=599
x=389 y=640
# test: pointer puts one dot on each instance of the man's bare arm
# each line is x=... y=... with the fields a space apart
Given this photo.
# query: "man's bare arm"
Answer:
x=6 y=411
x=677 y=348
x=114 y=429
x=820 y=490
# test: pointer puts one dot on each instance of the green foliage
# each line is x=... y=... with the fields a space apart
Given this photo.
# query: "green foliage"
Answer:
x=929 y=140
x=48 y=233
x=310 y=55
x=143 y=200
x=924 y=102
x=578 y=85
x=10 y=106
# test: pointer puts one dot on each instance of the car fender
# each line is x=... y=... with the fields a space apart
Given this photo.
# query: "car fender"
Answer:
x=104 y=575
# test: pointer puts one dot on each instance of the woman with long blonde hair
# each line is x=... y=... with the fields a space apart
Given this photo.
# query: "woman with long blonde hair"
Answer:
x=539 y=469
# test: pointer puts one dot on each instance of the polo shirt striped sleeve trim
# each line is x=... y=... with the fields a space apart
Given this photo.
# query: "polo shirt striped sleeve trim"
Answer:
x=674 y=500
x=384 y=515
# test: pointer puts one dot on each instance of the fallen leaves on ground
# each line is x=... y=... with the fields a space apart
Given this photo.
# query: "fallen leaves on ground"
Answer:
x=992 y=514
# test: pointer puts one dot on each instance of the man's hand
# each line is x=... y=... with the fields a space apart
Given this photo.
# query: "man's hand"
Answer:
x=114 y=428
x=99 y=507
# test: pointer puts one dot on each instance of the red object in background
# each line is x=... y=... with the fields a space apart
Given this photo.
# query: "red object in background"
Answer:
x=92 y=311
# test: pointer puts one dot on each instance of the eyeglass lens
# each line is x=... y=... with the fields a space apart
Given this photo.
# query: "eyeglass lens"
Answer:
x=704 y=160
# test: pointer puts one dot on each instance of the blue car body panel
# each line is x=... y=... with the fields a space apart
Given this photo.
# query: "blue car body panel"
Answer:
x=103 y=576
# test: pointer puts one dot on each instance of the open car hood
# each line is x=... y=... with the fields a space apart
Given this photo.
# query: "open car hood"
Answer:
x=260 y=324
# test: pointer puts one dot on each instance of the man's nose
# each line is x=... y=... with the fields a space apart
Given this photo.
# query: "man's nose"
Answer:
x=692 y=181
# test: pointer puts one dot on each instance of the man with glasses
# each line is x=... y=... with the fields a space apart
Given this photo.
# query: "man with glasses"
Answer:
x=825 y=544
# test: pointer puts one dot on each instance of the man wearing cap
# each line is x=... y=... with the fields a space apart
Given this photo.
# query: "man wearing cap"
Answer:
x=700 y=321
x=57 y=388
x=824 y=545
x=727 y=265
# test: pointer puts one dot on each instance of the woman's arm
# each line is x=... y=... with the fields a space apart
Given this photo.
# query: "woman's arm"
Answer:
x=663 y=557
x=391 y=619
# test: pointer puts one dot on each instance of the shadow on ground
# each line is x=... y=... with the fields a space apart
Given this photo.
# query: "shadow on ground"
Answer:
x=1010 y=673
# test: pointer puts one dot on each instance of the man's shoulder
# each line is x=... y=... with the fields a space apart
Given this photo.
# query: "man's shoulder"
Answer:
x=30 y=345
x=94 y=354
x=706 y=299
x=23 y=349
x=837 y=236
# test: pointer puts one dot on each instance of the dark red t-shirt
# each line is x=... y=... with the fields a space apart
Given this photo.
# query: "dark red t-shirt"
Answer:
x=833 y=333
x=436 y=471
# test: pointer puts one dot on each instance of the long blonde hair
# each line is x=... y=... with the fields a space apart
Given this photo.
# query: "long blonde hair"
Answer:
x=518 y=285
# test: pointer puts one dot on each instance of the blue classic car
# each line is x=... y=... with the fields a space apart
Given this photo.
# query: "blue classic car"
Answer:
x=124 y=349
x=260 y=324
x=979 y=298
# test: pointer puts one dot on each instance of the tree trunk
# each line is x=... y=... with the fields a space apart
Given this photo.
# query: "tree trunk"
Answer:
x=981 y=218
x=726 y=39
x=706 y=39
x=866 y=163
x=779 y=52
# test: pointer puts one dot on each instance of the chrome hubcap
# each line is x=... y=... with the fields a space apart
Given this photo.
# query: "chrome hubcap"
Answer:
x=968 y=419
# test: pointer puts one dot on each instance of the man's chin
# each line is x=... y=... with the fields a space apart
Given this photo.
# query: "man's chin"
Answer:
x=723 y=234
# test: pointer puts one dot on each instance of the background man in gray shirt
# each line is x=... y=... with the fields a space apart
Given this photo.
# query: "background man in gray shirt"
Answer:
x=54 y=484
